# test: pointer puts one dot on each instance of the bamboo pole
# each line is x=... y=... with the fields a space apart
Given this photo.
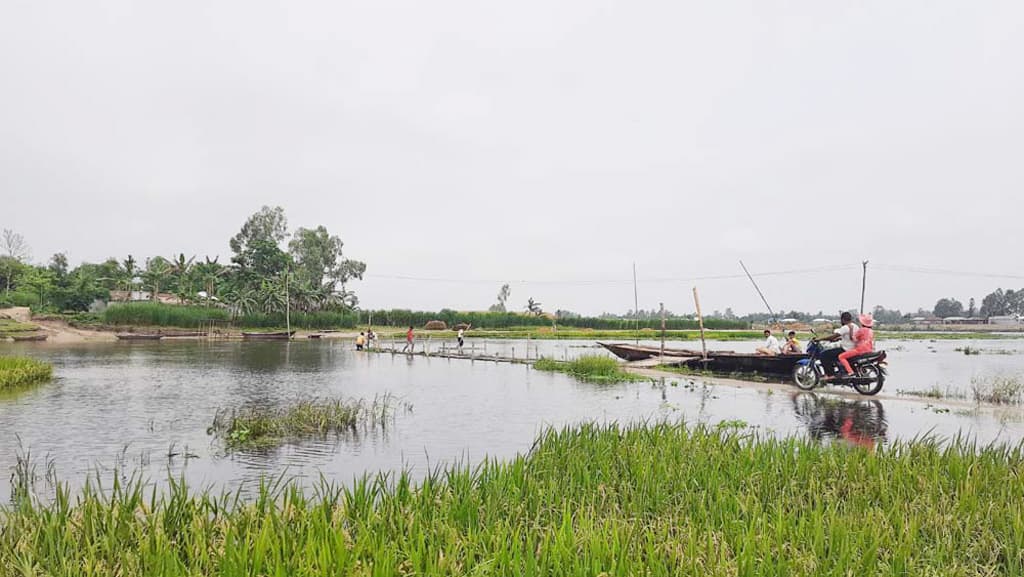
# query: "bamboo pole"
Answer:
x=662 y=305
x=700 y=322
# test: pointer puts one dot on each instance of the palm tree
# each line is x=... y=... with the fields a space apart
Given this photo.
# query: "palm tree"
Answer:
x=130 y=269
x=181 y=268
x=157 y=270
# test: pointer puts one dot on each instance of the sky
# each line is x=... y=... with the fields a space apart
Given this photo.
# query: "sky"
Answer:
x=456 y=145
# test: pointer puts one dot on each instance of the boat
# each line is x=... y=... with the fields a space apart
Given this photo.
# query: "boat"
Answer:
x=731 y=362
x=138 y=336
x=314 y=336
x=639 y=352
x=29 y=338
x=278 y=336
x=722 y=362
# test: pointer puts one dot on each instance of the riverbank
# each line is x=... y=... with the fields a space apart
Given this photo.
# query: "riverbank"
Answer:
x=652 y=500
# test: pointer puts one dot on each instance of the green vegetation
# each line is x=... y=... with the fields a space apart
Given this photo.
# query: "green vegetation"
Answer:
x=659 y=500
x=998 y=389
x=934 y=392
x=18 y=372
x=593 y=368
x=181 y=316
x=9 y=327
x=270 y=426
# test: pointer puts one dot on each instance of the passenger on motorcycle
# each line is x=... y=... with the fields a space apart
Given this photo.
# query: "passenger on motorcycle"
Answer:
x=865 y=341
x=845 y=335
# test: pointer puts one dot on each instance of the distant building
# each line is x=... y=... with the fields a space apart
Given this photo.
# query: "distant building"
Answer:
x=963 y=321
x=1004 y=320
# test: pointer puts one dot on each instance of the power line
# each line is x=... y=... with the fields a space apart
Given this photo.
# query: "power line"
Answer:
x=947 y=272
x=814 y=270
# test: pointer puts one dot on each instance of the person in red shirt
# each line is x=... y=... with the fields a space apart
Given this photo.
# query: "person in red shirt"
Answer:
x=865 y=341
x=409 y=337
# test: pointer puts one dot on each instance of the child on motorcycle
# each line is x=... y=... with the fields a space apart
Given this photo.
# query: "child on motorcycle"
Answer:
x=865 y=341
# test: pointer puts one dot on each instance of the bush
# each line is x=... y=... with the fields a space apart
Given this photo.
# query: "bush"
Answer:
x=158 y=314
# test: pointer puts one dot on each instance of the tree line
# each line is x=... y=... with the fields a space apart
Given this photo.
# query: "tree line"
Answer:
x=310 y=273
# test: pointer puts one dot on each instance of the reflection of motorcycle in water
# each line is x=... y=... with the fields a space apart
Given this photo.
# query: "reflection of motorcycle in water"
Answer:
x=860 y=422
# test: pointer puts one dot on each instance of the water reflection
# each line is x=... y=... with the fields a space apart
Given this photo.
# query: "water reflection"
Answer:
x=856 y=421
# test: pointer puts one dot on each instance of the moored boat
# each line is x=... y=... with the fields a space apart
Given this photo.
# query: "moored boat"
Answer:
x=639 y=352
x=138 y=337
x=29 y=338
x=276 y=336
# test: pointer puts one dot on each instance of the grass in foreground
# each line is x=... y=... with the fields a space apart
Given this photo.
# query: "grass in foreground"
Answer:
x=655 y=500
x=594 y=368
x=16 y=372
x=264 y=426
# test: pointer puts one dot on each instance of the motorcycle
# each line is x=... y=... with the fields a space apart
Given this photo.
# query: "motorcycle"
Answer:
x=869 y=371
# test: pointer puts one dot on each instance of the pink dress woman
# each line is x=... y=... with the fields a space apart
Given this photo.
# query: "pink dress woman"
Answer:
x=864 y=339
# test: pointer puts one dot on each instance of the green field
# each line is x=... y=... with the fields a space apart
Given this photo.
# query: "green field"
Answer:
x=659 y=500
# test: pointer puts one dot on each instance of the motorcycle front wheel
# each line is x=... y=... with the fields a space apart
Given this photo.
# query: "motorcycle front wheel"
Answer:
x=877 y=380
x=804 y=377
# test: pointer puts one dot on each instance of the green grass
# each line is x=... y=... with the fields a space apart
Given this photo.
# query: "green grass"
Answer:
x=998 y=389
x=157 y=314
x=9 y=327
x=594 y=368
x=935 y=392
x=263 y=426
x=16 y=372
x=657 y=500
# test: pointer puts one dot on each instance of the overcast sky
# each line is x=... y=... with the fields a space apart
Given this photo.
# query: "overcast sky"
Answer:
x=552 y=142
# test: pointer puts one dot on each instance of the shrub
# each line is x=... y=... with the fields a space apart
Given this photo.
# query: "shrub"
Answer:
x=22 y=371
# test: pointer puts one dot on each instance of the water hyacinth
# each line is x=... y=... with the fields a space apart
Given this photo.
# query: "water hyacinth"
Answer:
x=661 y=500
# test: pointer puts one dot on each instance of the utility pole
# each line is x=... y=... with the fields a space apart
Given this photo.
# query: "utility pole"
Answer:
x=636 y=305
x=287 y=306
x=662 y=305
x=700 y=320
x=863 y=285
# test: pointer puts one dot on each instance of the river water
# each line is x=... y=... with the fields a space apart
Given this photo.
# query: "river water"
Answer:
x=146 y=407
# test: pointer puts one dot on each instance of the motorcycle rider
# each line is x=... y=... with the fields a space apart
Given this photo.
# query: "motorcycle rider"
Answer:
x=845 y=334
x=865 y=340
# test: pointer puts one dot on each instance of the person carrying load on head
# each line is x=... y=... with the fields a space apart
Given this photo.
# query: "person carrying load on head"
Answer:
x=864 y=339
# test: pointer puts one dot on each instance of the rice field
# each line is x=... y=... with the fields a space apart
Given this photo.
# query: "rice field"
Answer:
x=16 y=372
x=657 y=499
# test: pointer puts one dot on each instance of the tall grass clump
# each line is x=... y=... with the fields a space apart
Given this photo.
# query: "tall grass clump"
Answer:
x=597 y=368
x=159 y=314
x=262 y=426
x=18 y=372
x=658 y=500
x=998 y=389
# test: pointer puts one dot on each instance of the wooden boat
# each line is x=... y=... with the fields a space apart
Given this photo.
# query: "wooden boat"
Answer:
x=724 y=362
x=640 y=352
x=314 y=336
x=278 y=336
x=137 y=337
x=729 y=362
x=29 y=338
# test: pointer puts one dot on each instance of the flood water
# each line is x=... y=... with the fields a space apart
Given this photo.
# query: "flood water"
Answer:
x=147 y=406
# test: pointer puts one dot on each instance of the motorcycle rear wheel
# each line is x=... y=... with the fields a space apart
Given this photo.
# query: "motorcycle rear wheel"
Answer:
x=804 y=377
x=877 y=380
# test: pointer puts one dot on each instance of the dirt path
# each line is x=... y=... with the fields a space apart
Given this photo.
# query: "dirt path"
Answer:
x=844 y=392
x=56 y=331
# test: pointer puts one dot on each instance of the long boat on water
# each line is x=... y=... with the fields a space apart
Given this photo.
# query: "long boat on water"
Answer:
x=29 y=338
x=276 y=336
x=723 y=362
x=138 y=337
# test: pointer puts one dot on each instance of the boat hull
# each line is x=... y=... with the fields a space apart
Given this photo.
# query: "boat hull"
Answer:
x=280 y=336
x=132 y=337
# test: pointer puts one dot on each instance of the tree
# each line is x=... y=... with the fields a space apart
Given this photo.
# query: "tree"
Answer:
x=268 y=225
x=131 y=268
x=1000 y=303
x=503 y=295
x=11 y=270
x=157 y=271
x=970 y=308
x=533 y=307
x=319 y=259
x=948 y=308
x=14 y=245
x=181 y=270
